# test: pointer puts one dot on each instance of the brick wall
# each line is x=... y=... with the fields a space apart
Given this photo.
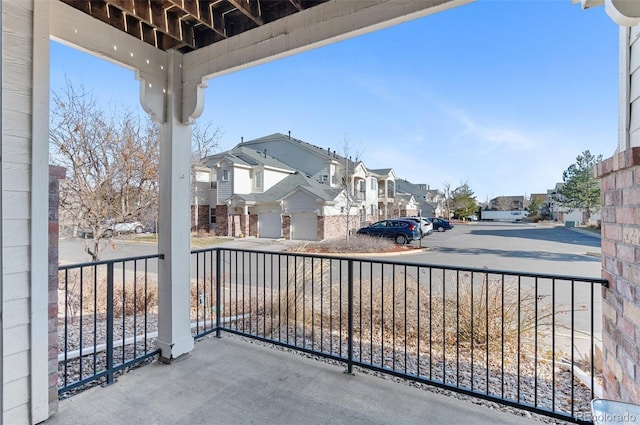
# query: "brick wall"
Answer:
x=222 y=220
x=620 y=192
x=253 y=225
x=286 y=226
x=55 y=175
x=335 y=226
x=203 y=218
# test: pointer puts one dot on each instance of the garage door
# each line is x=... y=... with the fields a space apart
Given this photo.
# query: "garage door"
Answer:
x=269 y=225
x=304 y=227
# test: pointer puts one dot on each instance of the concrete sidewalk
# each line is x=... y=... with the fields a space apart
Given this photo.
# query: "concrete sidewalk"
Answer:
x=232 y=381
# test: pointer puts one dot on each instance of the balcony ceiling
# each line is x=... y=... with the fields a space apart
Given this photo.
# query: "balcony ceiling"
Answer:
x=187 y=25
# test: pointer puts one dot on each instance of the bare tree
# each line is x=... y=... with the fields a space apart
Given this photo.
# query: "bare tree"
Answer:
x=347 y=183
x=112 y=162
x=205 y=141
x=447 y=198
x=503 y=203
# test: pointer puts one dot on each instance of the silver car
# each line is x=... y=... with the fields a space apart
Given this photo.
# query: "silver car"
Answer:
x=426 y=227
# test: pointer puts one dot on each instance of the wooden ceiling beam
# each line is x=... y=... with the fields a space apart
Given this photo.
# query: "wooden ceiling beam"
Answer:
x=296 y=4
x=187 y=24
x=249 y=8
x=199 y=11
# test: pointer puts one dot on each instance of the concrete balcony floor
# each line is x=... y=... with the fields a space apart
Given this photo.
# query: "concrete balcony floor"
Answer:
x=234 y=381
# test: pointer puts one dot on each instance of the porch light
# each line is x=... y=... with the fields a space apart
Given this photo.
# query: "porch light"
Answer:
x=623 y=12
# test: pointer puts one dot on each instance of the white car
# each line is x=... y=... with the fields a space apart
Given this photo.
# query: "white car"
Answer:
x=132 y=227
x=426 y=227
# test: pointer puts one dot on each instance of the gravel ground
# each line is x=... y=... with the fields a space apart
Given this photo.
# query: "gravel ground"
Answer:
x=457 y=369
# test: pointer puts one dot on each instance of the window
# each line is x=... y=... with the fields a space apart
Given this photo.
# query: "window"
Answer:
x=258 y=179
x=213 y=215
x=225 y=175
x=363 y=186
x=373 y=184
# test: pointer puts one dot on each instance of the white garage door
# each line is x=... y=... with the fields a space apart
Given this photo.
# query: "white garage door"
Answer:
x=269 y=225
x=304 y=227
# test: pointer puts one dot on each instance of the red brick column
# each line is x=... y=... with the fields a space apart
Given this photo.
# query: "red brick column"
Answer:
x=55 y=175
x=203 y=218
x=620 y=192
x=286 y=226
x=253 y=225
x=222 y=220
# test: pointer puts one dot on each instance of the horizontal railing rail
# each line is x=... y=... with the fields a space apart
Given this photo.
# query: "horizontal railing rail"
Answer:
x=528 y=340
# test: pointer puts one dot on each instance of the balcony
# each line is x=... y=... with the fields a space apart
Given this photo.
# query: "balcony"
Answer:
x=516 y=339
x=229 y=381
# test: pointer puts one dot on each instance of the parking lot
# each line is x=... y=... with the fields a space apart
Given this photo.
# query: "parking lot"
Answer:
x=540 y=248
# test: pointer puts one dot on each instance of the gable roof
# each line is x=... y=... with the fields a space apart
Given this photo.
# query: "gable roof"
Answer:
x=384 y=172
x=290 y=184
x=281 y=138
x=243 y=155
x=408 y=187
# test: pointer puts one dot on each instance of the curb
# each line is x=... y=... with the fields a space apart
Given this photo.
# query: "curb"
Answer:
x=584 y=232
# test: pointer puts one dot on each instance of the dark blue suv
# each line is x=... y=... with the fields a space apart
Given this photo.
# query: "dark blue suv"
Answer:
x=401 y=231
x=440 y=224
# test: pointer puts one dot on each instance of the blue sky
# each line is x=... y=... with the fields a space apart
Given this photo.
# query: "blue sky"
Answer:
x=502 y=94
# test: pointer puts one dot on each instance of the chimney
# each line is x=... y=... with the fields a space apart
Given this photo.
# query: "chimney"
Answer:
x=265 y=153
x=289 y=134
x=241 y=140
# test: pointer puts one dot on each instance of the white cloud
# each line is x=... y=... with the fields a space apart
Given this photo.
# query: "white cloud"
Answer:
x=491 y=138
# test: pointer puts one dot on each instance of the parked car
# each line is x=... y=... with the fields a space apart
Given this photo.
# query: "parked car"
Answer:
x=440 y=224
x=400 y=230
x=426 y=227
x=132 y=227
x=117 y=228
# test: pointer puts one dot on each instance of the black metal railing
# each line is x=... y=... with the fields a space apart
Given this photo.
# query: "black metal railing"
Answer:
x=107 y=319
x=521 y=339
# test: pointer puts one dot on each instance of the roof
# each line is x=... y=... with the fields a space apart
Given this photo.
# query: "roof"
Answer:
x=188 y=25
x=289 y=185
x=408 y=187
x=243 y=155
x=325 y=153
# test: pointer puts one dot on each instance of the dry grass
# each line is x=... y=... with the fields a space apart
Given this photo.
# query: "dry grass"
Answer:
x=479 y=311
x=88 y=295
x=355 y=244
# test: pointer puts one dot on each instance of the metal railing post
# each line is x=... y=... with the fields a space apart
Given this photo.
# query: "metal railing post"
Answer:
x=218 y=292
x=349 y=317
x=110 y=378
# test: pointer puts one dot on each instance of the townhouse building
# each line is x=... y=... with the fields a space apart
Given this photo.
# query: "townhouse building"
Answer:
x=278 y=186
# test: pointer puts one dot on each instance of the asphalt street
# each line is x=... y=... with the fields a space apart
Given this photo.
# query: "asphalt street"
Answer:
x=536 y=248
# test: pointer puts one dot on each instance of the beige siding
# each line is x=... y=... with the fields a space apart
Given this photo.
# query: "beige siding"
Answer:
x=15 y=392
x=14 y=287
x=16 y=340
x=16 y=179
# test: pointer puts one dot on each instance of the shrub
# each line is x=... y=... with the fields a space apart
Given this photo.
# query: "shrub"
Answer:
x=355 y=244
x=89 y=293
